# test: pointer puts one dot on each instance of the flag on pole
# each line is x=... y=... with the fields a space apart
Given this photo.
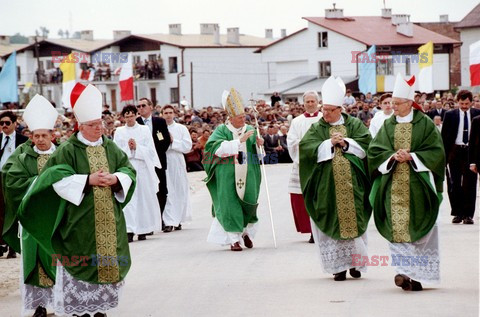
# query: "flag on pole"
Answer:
x=26 y=89
x=9 y=80
x=68 y=69
x=475 y=64
x=425 y=76
x=126 y=80
x=367 y=71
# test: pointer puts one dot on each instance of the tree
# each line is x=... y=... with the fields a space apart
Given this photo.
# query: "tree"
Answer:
x=18 y=39
x=60 y=33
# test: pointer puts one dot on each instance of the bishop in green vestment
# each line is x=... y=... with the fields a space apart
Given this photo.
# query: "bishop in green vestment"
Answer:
x=407 y=162
x=233 y=177
x=20 y=171
x=335 y=185
x=81 y=192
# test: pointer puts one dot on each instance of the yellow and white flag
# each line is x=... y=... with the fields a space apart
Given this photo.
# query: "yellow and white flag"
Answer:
x=425 y=75
x=68 y=69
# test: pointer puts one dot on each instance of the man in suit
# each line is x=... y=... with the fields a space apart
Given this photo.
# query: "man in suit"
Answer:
x=272 y=146
x=161 y=139
x=9 y=141
x=462 y=183
x=437 y=110
x=474 y=148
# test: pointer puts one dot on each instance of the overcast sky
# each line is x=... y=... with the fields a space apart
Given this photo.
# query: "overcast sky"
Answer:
x=153 y=16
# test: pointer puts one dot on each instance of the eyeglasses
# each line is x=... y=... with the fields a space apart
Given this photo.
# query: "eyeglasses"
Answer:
x=394 y=103
x=141 y=106
x=94 y=125
x=331 y=110
x=7 y=123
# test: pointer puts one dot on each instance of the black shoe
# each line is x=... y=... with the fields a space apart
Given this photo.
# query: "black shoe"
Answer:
x=247 y=241
x=3 y=249
x=179 y=227
x=100 y=315
x=468 y=221
x=355 y=273
x=142 y=237
x=40 y=312
x=406 y=283
x=11 y=253
x=457 y=219
x=168 y=229
x=342 y=276
x=150 y=234
x=311 y=239
x=130 y=237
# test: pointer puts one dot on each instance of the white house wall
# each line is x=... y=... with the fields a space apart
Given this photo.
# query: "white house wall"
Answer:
x=467 y=36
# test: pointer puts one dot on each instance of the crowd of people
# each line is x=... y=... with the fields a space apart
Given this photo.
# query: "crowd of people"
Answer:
x=98 y=178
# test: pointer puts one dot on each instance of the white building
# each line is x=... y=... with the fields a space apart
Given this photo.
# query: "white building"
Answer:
x=197 y=67
x=328 y=46
x=469 y=29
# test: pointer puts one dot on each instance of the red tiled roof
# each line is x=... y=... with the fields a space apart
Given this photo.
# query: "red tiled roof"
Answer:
x=471 y=20
x=375 y=30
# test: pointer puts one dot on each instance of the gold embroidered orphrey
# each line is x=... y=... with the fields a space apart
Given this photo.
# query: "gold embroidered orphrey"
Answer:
x=105 y=227
x=400 y=200
x=342 y=175
x=43 y=279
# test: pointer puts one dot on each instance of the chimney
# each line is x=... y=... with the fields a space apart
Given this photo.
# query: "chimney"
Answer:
x=4 y=40
x=444 y=18
x=207 y=28
x=334 y=13
x=118 y=34
x=233 y=35
x=386 y=13
x=400 y=18
x=86 y=35
x=216 y=34
x=269 y=33
x=283 y=33
x=175 y=29
x=405 y=28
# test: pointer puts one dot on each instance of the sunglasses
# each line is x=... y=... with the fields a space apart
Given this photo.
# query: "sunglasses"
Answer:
x=7 y=123
x=141 y=106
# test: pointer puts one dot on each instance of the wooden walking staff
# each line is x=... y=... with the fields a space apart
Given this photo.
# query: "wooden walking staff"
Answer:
x=262 y=154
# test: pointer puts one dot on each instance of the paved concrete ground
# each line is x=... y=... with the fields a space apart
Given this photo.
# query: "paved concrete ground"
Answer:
x=179 y=274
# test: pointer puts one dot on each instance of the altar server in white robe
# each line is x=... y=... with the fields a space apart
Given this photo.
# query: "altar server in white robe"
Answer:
x=377 y=121
x=177 y=209
x=298 y=128
x=142 y=214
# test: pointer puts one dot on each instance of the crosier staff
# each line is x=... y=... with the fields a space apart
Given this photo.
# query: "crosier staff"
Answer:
x=262 y=155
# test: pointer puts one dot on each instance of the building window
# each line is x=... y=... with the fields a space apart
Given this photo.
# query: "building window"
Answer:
x=152 y=57
x=136 y=59
x=49 y=64
x=324 y=69
x=172 y=64
x=385 y=66
x=104 y=98
x=19 y=73
x=407 y=66
x=322 y=39
x=174 y=95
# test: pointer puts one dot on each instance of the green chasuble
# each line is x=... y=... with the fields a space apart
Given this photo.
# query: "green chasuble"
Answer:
x=405 y=202
x=232 y=212
x=37 y=262
x=90 y=240
x=10 y=227
x=336 y=191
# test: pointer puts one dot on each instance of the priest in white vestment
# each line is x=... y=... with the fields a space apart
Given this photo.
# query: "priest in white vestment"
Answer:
x=298 y=128
x=177 y=209
x=142 y=214
x=380 y=117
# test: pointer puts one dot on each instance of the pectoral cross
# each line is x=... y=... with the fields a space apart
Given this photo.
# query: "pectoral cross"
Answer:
x=240 y=183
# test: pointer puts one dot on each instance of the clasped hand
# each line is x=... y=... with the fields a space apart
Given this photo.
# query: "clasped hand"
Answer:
x=337 y=138
x=402 y=156
x=102 y=179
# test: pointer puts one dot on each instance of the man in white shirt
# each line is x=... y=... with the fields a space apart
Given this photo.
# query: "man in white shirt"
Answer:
x=381 y=116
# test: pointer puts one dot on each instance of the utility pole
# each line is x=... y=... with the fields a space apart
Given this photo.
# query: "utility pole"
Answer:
x=39 y=76
x=191 y=85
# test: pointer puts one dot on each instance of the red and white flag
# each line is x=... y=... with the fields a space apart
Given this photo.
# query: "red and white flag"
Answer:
x=126 y=80
x=475 y=64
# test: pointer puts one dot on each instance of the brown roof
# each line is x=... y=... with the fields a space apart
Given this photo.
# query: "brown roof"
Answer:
x=471 y=20
x=9 y=48
x=375 y=30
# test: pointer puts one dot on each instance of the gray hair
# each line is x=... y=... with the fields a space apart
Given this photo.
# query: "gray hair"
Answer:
x=311 y=92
